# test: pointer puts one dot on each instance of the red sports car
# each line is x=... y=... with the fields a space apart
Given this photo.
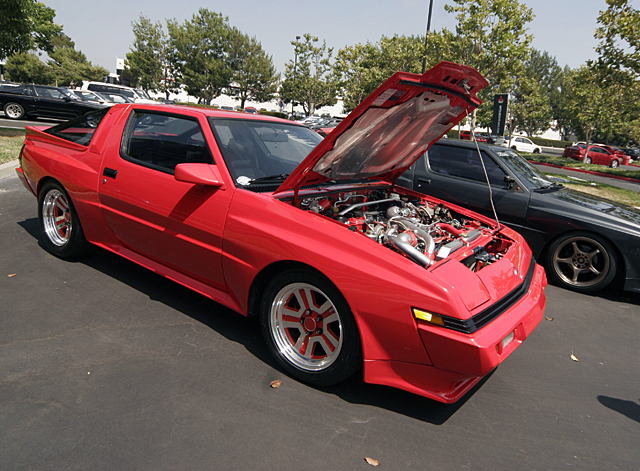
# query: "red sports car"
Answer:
x=345 y=270
x=598 y=155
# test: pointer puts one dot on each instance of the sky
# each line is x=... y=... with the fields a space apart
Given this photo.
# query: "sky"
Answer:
x=102 y=29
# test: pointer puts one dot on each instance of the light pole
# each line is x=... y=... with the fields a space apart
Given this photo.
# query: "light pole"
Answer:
x=295 y=65
x=424 y=58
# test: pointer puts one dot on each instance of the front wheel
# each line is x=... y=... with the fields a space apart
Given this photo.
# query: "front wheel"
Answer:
x=14 y=110
x=614 y=163
x=309 y=328
x=582 y=263
x=59 y=222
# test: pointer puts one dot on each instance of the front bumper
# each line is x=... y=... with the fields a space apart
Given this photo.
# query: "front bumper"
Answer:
x=460 y=360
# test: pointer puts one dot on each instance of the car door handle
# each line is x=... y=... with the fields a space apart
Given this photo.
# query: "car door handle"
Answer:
x=109 y=172
x=424 y=180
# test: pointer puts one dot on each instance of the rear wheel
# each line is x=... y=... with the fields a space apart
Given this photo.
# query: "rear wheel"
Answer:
x=536 y=151
x=583 y=263
x=59 y=223
x=14 y=110
x=309 y=328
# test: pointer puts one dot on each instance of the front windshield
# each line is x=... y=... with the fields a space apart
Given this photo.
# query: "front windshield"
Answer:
x=262 y=151
x=530 y=176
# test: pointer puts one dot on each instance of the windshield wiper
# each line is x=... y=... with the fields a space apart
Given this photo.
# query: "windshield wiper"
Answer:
x=280 y=177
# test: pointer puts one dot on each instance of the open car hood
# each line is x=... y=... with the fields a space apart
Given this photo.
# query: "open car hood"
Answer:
x=393 y=127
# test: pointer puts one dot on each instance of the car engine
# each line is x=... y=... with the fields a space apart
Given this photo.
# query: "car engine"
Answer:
x=423 y=231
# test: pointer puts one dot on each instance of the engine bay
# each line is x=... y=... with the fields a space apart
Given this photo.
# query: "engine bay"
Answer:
x=423 y=231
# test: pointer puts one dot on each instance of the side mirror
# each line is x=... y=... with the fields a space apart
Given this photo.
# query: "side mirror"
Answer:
x=199 y=174
x=509 y=180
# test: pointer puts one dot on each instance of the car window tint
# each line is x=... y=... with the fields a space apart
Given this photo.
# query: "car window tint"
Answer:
x=464 y=163
x=79 y=130
x=163 y=141
x=254 y=149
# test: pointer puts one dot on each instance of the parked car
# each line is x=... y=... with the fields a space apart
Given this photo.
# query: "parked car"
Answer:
x=466 y=136
x=136 y=95
x=524 y=144
x=632 y=152
x=251 y=109
x=40 y=101
x=581 y=240
x=344 y=269
x=93 y=97
x=595 y=154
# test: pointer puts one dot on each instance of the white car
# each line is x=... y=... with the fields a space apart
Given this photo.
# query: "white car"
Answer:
x=523 y=144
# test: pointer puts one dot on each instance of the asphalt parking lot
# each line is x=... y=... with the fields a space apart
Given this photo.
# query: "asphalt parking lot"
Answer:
x=107 y=366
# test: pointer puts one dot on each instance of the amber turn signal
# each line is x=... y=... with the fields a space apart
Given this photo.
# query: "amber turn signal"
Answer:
x=427 y=317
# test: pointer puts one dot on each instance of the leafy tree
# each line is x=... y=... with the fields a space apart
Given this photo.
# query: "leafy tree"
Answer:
x=363 y=67
x=26 y=67
x=619 y=36
x=70 y=67
x=310 y=80
x=531 y=110
x=148 y=62
x=201 y=52
x=26 y=25
x=254 y=75
x=491 y=37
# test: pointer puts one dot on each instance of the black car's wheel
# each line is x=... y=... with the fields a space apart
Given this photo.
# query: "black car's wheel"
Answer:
x=14 y=110
x=309 y=328
x=583 y=263
x=59 y=223
x=587 y=160
x=615 y=163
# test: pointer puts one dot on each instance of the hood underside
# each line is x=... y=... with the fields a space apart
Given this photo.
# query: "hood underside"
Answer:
x=393 y=127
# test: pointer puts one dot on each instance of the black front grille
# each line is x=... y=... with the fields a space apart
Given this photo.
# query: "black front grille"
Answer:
x=481 y=319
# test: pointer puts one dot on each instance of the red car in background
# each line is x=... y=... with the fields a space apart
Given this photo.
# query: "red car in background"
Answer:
x=466 y=136
x=595 y=154
x=345 y=270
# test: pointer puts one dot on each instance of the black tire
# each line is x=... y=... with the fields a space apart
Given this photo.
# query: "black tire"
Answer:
x=615 y=163
x=317 y=316
x=62 y=232
x=585 y=263
x=587 y=160
x=14 y=110
x=514 y=148
x=536 y=151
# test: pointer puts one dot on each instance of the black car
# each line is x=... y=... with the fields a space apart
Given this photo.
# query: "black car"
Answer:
x=581 y=240
x=35 y=101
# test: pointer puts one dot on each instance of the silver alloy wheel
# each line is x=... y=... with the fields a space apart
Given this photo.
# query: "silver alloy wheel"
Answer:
x=587 y=160
x=14 y=111
x=614 y=163
x=306 y=327
x=56 y=217
x=581 y=262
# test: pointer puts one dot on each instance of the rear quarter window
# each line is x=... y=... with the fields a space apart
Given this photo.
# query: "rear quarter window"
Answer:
x=79 y=130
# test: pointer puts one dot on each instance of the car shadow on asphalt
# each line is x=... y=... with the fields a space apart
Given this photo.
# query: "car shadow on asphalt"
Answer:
x=629 y=409
x=246 y=331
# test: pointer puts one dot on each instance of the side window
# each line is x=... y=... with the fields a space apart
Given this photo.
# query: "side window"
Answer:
x=464 y=163
x=163 y=141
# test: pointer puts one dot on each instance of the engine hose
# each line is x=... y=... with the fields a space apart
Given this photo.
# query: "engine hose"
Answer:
x=409 y=250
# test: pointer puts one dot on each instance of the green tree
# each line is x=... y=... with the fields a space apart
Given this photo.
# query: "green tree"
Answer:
x=254 y=75
x=70 y=67
x=619 y=36
x=26 y=67
x=201 y=53
x=491 y=37
x=363 y=67
x=26 y=25
x=310 y=80
x=530 y=109
x=148 y=62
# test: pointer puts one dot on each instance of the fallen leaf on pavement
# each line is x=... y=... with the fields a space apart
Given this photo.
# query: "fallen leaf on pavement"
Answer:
x=371 y=461
x=574 y=358
x=11 y=275
x=549 y=318
x=275 y=383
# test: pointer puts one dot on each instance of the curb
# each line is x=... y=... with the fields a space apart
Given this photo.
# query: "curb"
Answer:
x=591 y=172
x=8 y=169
